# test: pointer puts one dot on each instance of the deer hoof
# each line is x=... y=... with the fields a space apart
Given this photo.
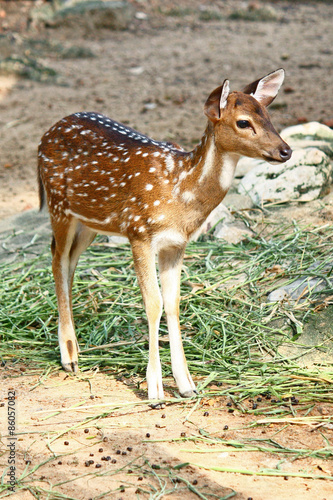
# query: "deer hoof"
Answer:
x=189 y=394
x=157 y=406
x=71 y=367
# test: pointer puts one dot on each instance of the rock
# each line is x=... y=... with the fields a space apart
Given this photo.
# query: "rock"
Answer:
x=117 y=241
x=237 y=201
x=300 y=289
x=225 y=224
x=304 y=177
x=244 y=166
x=142 y=16
x=116 y=15
x=314 y=346
x=234 y=233
x=312 y=134
x=136 y=70
x=24 y=235
x=219 y=213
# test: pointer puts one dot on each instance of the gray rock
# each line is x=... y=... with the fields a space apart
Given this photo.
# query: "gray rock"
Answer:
x=312 y=134
x=225 y=226
x=304 y=178
x=118 y=241
x=313 y=347
x=237 y=201
x=25 y=234
x=234 y=233
x=244 y=166
x=314 y=281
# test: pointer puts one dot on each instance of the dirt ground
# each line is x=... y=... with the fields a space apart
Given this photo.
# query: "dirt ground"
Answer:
x=155 y=76
x=148 y=444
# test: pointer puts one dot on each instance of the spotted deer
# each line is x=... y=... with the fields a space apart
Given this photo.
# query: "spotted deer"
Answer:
x=100 y=176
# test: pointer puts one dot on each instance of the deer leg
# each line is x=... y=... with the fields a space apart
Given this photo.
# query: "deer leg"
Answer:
x=144 y=263
x=61 y=248
x=170 y=262
x=83 y=237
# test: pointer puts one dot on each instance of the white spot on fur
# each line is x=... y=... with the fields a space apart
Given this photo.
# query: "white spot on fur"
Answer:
x=183 y=175
x=149 y=187
x=229 y=163
x=188 y=196
x=167 y=238
x=169 y=163
x=89 y=219
x=208 y=163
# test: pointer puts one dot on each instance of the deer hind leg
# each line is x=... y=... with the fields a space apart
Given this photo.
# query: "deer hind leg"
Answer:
x=68 y=243
x=144 y=263
x=170 y=262
x=83 y=238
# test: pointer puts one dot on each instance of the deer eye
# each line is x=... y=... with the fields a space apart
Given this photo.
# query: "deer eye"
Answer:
x=243 y=124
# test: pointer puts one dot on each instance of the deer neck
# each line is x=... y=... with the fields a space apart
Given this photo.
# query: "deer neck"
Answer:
x=207 y=174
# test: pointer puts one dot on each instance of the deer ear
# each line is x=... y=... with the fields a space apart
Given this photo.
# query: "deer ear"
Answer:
x=265 y=90
x=217 y=101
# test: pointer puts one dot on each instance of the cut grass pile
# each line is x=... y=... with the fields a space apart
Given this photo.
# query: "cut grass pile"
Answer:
x=231 y=334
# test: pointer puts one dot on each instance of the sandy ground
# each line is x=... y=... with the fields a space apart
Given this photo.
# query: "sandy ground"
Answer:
x=154 y=77
x=152 y=443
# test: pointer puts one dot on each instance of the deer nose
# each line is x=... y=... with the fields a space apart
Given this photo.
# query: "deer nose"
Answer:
x=285 y=153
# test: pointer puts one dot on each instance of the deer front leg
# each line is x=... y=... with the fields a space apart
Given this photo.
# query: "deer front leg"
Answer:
x=170 y=262
x=144 y=263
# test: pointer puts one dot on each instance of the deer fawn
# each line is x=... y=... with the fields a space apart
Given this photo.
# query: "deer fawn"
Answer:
x=100 y=176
